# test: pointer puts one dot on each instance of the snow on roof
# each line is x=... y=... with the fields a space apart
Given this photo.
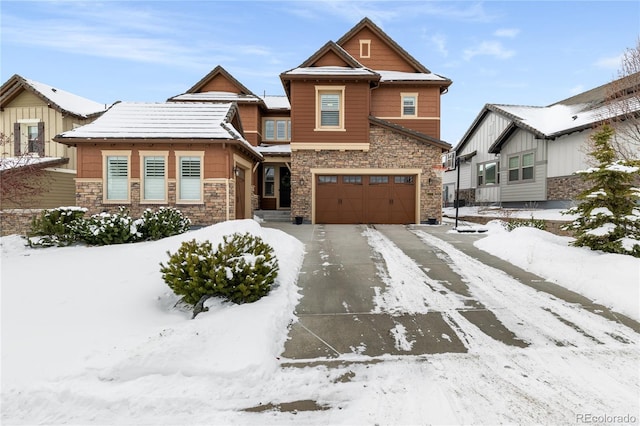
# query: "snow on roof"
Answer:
x=276 y=102
x=408 y=76
x=275 y=149
x=559 y=119
x=332 y=70
x=215 y=96
x=68 y=101
x=7 y=163
x=169 y=120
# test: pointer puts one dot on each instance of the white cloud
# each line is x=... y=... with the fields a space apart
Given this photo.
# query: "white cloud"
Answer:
x=507 y=32
x=489 y=48
x=439 y=42
x=612 y=62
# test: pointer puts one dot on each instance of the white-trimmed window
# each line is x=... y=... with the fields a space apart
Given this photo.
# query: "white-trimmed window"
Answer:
x=277 y=129
x=189 y=171
x=29 y=136
x=116 y=175
x=365 y=49
x=409 y=104
x=488 y=173
x=329 y=107
x=154 y=176
x=521 y=167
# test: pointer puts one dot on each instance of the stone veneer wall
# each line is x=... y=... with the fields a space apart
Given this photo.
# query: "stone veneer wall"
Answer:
x=17 y=221
x=388 y=150
x=565 y=187
x=214 y=209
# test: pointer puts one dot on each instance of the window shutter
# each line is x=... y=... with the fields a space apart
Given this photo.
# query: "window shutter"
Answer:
x=40 y=140
x=16 y=139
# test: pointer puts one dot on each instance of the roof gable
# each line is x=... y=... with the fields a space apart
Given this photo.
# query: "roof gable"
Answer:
x=382 y=45
x=219 y=80
x=62 y=101
x=331 y=54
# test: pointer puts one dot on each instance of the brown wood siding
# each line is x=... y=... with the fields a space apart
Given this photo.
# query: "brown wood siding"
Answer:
x=220 y=84
x=382 y=57
x=330 y=59
x=303 y=106
x=386 y=101
x=251 y=122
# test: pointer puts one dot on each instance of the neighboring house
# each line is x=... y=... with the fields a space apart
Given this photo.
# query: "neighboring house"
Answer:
x=515 y=155
x=355 y=140
x=31 y=114
x=189 y=155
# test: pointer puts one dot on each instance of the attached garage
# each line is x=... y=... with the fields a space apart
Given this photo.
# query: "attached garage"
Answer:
x=365 y=198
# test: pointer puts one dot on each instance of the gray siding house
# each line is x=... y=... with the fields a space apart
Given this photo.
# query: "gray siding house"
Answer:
x=514 y=155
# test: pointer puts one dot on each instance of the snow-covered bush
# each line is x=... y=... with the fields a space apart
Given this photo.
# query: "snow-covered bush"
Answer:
x=164 y=222
x=54 y=227
x=106 y=228
x=608 y=213
x=241 y=270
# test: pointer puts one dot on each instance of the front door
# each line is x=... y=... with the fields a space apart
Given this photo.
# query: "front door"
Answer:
x=285 y=187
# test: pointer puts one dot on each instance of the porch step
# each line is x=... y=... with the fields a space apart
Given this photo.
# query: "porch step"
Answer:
x=274 y=215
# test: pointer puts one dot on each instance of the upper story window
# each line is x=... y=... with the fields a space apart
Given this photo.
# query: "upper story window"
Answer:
x=277 y=129
x=409 y=104
x=329 y=107
x=29 y=137
x=521 y=167
x=365 y=48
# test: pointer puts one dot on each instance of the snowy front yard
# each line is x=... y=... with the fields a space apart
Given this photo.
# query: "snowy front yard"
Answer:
x=91 y=335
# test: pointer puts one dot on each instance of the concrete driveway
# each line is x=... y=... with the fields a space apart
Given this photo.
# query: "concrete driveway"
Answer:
x=343 y=280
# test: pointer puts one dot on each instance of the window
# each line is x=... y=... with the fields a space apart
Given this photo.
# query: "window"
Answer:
x=117 y=174
x=29 y=136
x=269 y=181
x=327 y=179
x=365 y=48
x=357 y=180
x=409 y=104
x=277 y=129
x=403 y=179
x=373 y=180
x=488 y=174
x=521 y=167
x=330 y=108
x=154 y=175
x=190 y=175
x=450 y=160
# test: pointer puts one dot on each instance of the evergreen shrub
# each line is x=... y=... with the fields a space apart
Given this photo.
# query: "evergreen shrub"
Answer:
x=165 y=222
x=106 y=228
x=241 y=270
x=531 y=223
x=54 y=227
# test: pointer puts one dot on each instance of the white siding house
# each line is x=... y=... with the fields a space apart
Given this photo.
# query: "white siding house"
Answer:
x=535 y=151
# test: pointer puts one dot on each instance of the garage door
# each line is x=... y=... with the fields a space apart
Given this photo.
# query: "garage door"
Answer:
x=365 y=199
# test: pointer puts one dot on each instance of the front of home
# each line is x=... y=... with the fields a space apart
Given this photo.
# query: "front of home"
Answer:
x=355 y=140
x=516 y=155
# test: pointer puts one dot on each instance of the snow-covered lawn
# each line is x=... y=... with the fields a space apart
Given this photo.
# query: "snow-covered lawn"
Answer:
x=91 y=335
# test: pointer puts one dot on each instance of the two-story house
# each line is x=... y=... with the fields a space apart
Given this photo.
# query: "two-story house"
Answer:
x=31 y=114
x=355 y=140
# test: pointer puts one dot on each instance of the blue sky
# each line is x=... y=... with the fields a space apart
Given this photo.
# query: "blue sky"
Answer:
x=513 y=52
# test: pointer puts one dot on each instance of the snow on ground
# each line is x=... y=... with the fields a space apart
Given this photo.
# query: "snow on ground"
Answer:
x=92 y=335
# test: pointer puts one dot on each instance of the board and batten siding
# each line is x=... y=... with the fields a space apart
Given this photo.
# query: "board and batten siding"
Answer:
x=567 y=154
x=28 y=106
x=536 y=190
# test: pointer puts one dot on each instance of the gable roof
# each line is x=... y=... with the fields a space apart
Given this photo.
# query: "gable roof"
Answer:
x=130 y=121
x=60 y=100
x=574 y=114
x=219 y=70
x=409 y=132
x=367 y=23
